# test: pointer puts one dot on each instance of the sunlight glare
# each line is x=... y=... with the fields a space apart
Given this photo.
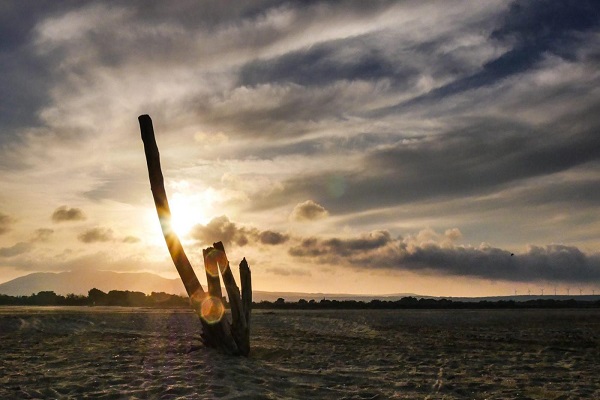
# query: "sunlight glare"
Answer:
x=187 y=211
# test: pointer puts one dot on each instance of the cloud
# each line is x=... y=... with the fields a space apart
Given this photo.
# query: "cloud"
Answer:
x=555 y=263
x=531 y=33
x=130 y=239
x=24 y=76
x=42 y=234
x=220 y=229
x=96 y=235
x=230 y=233
x=349 y=59
x=531 y=25
x=272 y=238
x=63 y=214
x=336 y=247
x=477 y=156
x=5 y=223
x=288 y=271
x=435 y=254
x=74 y=261
x=17 y=249
x=308 y=211
x=130 y=187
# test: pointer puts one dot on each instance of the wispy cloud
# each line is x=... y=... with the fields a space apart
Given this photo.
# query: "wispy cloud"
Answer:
x=15 y=250
x=131 y=239
x=5 y=223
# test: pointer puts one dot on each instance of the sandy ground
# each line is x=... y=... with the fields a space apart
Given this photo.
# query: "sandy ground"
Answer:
x=114 y=353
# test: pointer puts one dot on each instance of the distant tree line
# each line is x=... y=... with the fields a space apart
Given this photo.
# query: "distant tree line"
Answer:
x=422 y=303
x=97 y=297
x=127 y=298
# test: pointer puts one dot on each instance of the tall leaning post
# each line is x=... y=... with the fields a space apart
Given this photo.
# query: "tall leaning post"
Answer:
x=230 y=338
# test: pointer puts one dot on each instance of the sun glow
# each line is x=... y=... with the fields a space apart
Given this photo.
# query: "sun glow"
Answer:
x=188 y=211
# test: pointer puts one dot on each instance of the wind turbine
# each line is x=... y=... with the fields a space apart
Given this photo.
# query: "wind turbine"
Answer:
x=542 y=291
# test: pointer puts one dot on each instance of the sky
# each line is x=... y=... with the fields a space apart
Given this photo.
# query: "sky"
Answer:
x=445 y=148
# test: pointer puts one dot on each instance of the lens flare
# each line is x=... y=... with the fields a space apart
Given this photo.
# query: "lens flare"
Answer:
x=212 y=309
x=210 y=264
x=214 y=261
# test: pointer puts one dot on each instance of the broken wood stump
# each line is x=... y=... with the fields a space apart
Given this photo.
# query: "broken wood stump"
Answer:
x=217 y=332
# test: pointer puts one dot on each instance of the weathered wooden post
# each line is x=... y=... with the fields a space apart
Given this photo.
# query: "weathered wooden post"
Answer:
x=217 y=332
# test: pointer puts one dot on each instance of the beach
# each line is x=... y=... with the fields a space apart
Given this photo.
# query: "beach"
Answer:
x=134 y=353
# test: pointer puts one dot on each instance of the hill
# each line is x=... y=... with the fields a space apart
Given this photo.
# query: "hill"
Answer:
x=80 y=282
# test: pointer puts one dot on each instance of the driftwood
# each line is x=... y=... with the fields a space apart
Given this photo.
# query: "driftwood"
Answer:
x=217 y=332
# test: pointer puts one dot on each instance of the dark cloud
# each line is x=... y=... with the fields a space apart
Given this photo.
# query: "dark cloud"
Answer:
x=439 y=255
x=33 y=65
x=230 y=233
x=273 y=238
x=272 y=111
x=221 y=229
x=5 y=223
x=545 y=25
x=25 y=79
x=373 y=240
x=355 y=58
x=308 y=211
x=63 y=213
x=477 y=157
x=313 y=247
x=17 y=249
x=533 y=30
x=174 y=30
x=549 y=263
x=96 y=235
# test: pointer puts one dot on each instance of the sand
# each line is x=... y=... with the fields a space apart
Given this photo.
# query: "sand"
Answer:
x=114 y=353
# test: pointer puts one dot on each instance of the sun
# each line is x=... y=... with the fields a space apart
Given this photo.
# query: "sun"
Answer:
x=188 y=211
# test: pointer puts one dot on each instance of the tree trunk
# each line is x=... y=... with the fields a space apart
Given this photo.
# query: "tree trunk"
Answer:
x=217 y=331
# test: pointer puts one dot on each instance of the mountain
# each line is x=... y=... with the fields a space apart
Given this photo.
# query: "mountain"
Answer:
x=80 y=282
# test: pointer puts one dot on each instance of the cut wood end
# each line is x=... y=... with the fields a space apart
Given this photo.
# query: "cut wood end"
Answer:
x=215 y=258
